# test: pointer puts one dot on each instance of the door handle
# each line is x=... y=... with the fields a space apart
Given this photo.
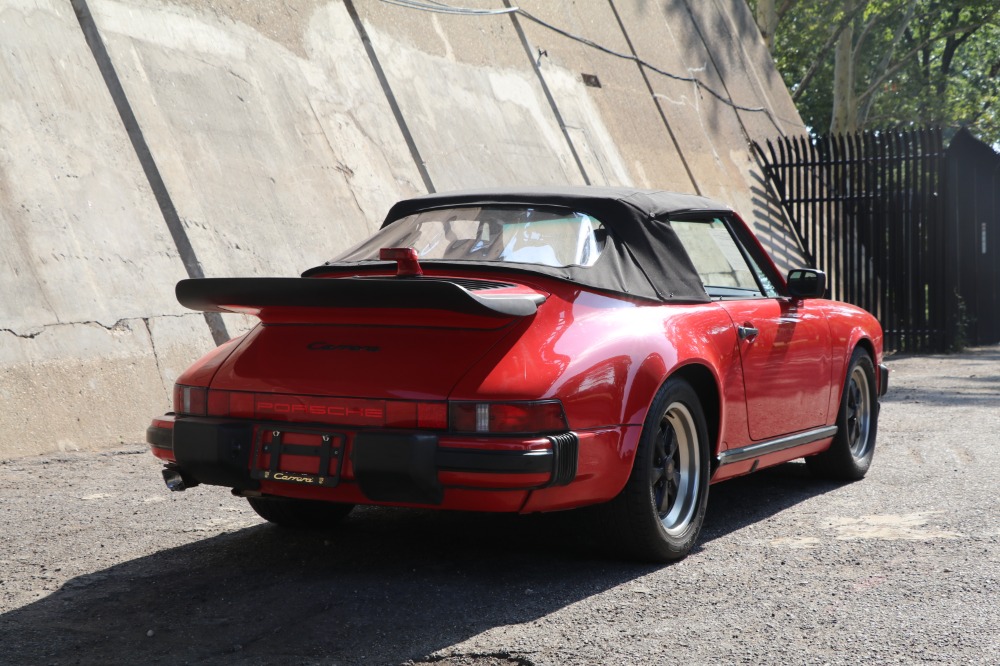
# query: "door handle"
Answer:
x=747 y=332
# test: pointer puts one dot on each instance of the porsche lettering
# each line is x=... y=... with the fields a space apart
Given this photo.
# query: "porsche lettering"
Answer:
x=328 y=346
x=319 y=410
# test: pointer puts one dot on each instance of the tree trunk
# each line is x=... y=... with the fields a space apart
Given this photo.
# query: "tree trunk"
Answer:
x=766 y=16
x=845 y=104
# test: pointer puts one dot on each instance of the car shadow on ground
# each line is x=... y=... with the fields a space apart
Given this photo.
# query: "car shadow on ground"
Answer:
x=387 y=587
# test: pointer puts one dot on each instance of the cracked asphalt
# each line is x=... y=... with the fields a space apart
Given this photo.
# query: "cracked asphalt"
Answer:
x=100 y=564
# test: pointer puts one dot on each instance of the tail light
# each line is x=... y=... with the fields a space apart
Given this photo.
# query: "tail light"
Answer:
x=191 y=400
x=508 y=417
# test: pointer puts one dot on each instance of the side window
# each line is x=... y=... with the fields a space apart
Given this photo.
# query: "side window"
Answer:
x=726 y=269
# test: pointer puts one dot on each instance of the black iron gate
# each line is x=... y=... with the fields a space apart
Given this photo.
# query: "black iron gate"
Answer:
x=887 y=216
x=973 y=214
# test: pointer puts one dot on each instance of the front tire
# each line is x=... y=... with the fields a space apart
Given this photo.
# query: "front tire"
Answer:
x=850 y=454
x=298 y=513
x=658 y=515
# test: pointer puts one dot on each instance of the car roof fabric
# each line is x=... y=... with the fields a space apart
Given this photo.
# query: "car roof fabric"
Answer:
x=643 y=256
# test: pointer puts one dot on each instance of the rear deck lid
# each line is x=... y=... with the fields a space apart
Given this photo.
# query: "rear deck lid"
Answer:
x=357 y=360
x=366 y=337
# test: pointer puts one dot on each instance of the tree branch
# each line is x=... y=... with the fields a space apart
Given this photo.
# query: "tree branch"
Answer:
x=903 y=60
x=785 y=7
x=801 y=86
x=883 y=64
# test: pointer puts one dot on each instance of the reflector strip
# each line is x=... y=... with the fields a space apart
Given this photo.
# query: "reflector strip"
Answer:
x=483 y=417
x=486 y=418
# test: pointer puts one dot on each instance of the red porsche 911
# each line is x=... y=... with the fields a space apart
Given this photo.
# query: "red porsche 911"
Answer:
x=527 y=350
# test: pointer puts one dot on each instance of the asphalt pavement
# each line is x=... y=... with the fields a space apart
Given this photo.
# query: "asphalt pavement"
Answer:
x=100 y=564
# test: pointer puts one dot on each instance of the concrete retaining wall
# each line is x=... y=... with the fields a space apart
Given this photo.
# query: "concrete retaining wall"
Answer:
x=142 y=142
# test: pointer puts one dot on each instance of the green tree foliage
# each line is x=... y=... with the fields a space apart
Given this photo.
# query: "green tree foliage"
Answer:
x=865 y=64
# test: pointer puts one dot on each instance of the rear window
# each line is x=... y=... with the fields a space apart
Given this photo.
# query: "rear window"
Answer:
x=512 y=234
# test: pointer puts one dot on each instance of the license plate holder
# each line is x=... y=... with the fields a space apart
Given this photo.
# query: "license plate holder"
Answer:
x=328 y=449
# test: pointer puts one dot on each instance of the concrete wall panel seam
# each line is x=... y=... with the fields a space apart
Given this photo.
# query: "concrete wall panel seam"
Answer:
x=390 y=97
x=721 y=73
x=181 y=241
x=35 y=332
x=152 y=346
x=548 y=93
x=652 y=93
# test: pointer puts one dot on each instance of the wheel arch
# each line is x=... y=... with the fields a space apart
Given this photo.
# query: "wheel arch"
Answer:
x=700 y=376
x=854 y=328
x=865 y=344
x=854 y=338
x=857 y=341
x=860 y=341
x=705 y=385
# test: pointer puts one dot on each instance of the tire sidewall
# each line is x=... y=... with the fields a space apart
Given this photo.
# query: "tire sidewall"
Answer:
x=856 y=466
x=673 y=391
x=862 y=359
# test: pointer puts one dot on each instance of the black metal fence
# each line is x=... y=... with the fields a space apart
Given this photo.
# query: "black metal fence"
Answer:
x=889 y=216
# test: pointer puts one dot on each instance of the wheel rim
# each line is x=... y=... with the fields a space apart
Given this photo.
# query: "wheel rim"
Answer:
x=676 y=476
x=859 y=413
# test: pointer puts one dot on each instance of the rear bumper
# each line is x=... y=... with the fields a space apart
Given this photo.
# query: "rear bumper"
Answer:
x=393 y=467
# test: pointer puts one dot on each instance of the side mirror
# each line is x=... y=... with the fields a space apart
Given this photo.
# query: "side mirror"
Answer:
x=806 y=283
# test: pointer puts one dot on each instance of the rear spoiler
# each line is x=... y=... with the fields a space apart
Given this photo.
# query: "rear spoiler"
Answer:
x=253 y=294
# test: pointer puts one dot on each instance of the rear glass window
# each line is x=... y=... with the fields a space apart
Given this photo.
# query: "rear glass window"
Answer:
x=513 y=234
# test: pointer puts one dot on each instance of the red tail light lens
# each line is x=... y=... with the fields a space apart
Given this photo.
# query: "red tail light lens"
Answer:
x=423 y=415
x=400 y=414
x=191 y=400
x=432 y=415
x=508 y=417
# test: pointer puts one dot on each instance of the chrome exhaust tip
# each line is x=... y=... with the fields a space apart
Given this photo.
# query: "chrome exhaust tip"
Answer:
x=174 y=480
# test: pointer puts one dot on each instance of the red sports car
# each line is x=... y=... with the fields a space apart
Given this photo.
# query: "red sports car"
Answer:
x=528 y=350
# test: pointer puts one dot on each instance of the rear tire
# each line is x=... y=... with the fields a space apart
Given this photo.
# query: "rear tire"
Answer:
x=850 y=454
x=658 y=515
x=298 y=513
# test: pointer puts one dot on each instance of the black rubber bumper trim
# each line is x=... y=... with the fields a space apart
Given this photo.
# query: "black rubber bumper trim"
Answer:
x=566 y=452
x=215 y=451
x=397 y=467
x=403 y=467
x=160 y=438
x=560 y=461
x=883 y=384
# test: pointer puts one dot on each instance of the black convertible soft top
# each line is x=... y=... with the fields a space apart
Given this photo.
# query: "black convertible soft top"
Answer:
x=643 y=256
